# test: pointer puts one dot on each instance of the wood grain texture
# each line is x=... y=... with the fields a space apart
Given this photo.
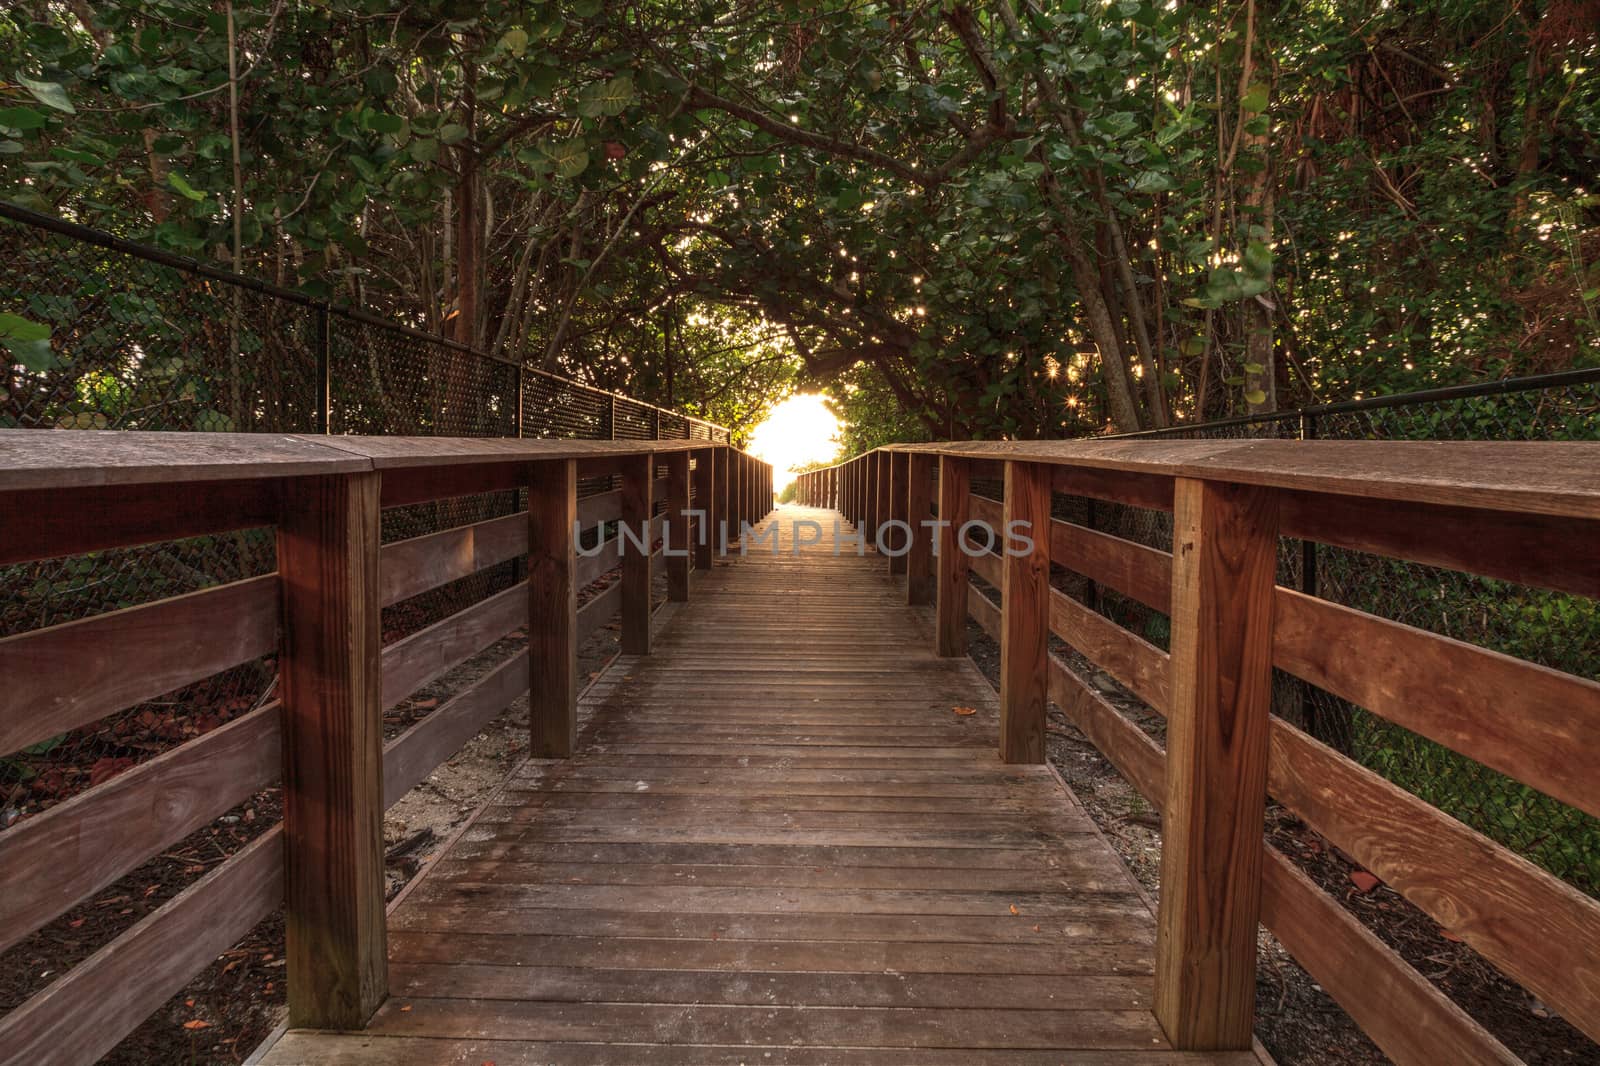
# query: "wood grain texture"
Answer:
x=1135 y=662
x=1137 y=571
x=950 y=594
x=1396 y=1006
x=52 y=523
x=1537 y=929
x=69 y=675
x=984 y=611
x=97 y=836
x=678 y=547
x=553 y=608
x=85 y=1013
x=409 y=567
x=1455 y=693
x=1226 y=541
x=409 y=758
x=428 y=654
x=333 y=736
x=898 y=540
x=1025 y=612
x=705 y=501
x=775 y=840
x=722 y=529
x=921 y=584
x=1137 y=757
x=637 y=505
x=600 y=609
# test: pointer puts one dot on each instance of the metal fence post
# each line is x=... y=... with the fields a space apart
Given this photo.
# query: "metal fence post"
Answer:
x=322 y=417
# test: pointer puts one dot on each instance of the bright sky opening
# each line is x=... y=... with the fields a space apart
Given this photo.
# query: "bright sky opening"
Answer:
x=798 y=432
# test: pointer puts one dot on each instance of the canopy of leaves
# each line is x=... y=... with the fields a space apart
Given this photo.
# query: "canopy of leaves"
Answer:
x=1019 y=217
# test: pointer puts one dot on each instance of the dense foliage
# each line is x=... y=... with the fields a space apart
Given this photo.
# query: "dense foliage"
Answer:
x=1017 y=217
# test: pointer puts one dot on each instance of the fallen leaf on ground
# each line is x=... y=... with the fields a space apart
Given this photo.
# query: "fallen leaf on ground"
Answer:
x=1364 y=881
x=1014 y=909
x=197 y=1024
x=964 y=711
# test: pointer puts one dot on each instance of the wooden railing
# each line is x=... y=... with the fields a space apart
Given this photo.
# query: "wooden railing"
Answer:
x=64 y=494
x=1522 y=513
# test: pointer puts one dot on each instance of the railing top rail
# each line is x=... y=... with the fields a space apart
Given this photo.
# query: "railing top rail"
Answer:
x=1535 y=477
x=33 y=459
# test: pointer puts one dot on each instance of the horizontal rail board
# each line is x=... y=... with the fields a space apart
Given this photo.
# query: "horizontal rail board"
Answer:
x=1540 y=726
x=52 y=523
x=1143 y=573
x=599 y=609
x=409 y=758
x=412 y=662
x=1135 y=755
x=985 y=612
x=69 y=675
x=407 y=568
x=56 y=859
x=1135 y=662
x=1537 y=929
x=89 y=1010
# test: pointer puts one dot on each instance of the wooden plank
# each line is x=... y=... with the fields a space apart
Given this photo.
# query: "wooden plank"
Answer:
x=99 y=458
x=1137 y=757
x=1226 y=541
x=553 y=608
x=69 y=675
x=1145 y=574
x=1535 y=928
x=705 y=501
x=920 y=581
x=428 y=654
x=409 y=567
x=1152 y=491
x=951 y=593
x=599 y=508
x=637 y=506
x=405 y=486
x=409 y=758
x=987 y=565
x=1024 y=612
x=677 y=546
x=84 y=1014
x=1138 y=664
x=599 y=610
x=52 y=523
x=1404 y=1014
x=55 y=860
x=332 y=745
x=724 y=503
x=985 y=612
x=1455 y=693
x=1527 y=549
x=899 y=537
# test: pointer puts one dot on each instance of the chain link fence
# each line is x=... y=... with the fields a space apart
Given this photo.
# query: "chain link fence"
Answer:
x=142 y=339
x=1553 y=629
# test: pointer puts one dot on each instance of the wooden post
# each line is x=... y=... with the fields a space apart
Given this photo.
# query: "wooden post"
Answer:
x=638 y=479
x=677 y=538
x=1024 y=611
x=705 y=499
x=553 y=608
x=719 y=492
x=951 y=565
x=899 y=465
x=1225 y=540
x=331 y=678
x=919 y=504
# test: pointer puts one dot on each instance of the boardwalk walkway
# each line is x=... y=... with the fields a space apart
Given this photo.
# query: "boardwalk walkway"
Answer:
x=777 y=845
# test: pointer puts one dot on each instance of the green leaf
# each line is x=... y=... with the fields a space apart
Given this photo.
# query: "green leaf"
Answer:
x=1255 y=98
x=515 y=41
x=177 y=181
x=1255 y=396
x=453 y=133
x=48 y=93
x=21 y=118
x=587 y=9
x=570 y=159
x=1258 y=259
x=384 y=123
x=28 y=341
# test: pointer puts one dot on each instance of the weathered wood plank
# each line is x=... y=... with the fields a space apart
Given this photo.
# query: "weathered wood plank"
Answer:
x=69 y=675
x=676 y=543
x=84 y=1014
x=1226 y=540
x=1135 y=662
x=332 y=745
x=97 y=836
x=951 y=592
x=409 y=758
x=1025 y=612
x=409 y=567
x=637 y=505
x=553 y=608
x=424 y=656
x=921 y=583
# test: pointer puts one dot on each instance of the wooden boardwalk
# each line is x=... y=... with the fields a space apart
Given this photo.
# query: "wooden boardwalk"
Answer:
x=778 y=844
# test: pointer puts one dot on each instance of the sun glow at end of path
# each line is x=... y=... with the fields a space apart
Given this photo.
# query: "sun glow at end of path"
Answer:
x=798 y=432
